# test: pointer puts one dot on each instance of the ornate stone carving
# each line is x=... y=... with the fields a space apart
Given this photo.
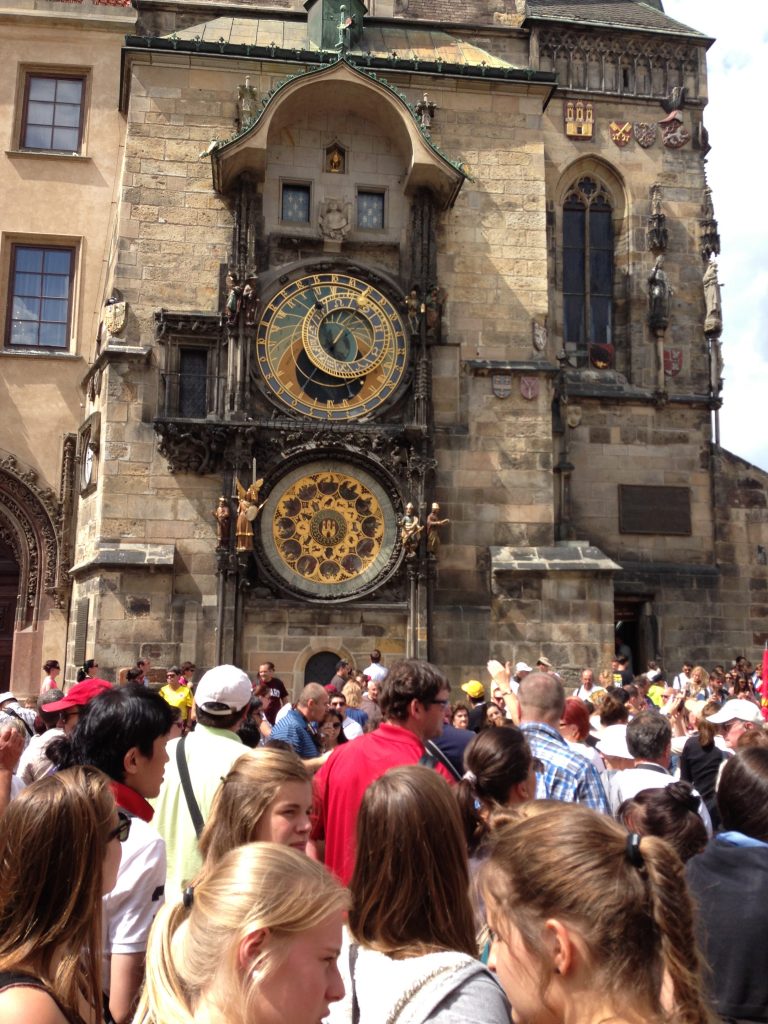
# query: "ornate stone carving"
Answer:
x=656 y=232
x=335 y=219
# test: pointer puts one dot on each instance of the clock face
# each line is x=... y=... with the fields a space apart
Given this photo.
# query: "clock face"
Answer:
x=331 y=347
x=328 y=530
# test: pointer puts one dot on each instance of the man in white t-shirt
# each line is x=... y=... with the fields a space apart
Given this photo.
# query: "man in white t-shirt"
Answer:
x=683 y=678
x=352 y=729
x=376 y=671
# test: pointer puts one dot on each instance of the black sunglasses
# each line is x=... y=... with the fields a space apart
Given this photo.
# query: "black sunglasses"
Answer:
x=123 y=830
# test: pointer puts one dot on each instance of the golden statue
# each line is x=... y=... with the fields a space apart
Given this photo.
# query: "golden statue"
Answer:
x=223 y=518
x=247 y=510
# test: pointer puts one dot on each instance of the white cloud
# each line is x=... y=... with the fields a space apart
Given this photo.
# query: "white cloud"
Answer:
x=736 y=173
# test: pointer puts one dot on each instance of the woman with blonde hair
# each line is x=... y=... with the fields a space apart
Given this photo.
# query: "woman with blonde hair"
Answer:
x=410 y=953
x=256 y=939
x=265 y=797
x=591 y=924
x=59 y=854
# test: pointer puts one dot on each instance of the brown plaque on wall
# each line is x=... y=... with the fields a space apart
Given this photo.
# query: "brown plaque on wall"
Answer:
x=655 y=510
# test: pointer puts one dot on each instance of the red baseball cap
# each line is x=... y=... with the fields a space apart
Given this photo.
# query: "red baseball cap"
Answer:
x=80 y=694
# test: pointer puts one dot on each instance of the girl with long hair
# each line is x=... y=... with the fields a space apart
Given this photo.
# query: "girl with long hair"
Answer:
x=591 y=924
x=255 y=939
x=410 y=950
x=267 y=797
x=59 y=854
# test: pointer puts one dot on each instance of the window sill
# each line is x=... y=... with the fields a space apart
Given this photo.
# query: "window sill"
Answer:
x=38 y=353
x=47 y=154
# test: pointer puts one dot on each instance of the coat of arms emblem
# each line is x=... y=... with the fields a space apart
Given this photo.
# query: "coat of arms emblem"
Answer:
x=529 y=387
x=114 y=316
x=501 y=384
x=621 y=134
x=645 y=133
x=673 y=361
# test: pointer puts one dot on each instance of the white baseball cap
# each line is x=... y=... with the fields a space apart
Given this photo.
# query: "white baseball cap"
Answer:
x=739 y=708
x=222 y=690
x=613 y=742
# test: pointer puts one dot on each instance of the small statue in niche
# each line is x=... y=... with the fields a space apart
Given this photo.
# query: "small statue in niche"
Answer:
x=659 y=294
x=223 y=518
x=434 y=313
x=335 y=219
x=250 y=304
x=335 y=160
x=713 y=322
x=234 y=298
x=247 y=511
x=410 y=531
x=425 y=111
x=434 y=522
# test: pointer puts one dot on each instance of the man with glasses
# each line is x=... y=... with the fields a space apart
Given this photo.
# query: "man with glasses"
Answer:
x=178 y=695
x=68 y=708
x=352 y=730
x=413 y=699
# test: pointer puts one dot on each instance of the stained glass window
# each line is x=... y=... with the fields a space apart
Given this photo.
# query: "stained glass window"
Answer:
x=587 y=265
x=295 y=204
x=370 y=211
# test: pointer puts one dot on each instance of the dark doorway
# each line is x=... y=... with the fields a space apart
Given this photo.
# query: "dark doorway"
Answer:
x=9 y=593
x=636 y=629
x=321 y=668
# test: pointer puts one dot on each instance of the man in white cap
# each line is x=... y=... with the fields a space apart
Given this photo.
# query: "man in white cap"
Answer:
x=522 y=669
x=736 y=716
x=221 y=702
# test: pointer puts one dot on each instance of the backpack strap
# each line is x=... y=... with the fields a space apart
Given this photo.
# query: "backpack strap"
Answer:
x=24 y=722
x=186 y=785
x=433 y=754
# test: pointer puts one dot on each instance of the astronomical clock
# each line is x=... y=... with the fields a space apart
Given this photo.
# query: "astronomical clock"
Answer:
x=331 y=347
x=332 y=355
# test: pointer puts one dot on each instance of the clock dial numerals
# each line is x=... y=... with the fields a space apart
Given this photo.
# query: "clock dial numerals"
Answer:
x=331 y=347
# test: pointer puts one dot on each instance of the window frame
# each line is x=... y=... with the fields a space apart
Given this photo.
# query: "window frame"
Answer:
x=56 y=74
x=49 y=246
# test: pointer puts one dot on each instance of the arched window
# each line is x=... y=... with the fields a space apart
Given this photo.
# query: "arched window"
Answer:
x=587 y=266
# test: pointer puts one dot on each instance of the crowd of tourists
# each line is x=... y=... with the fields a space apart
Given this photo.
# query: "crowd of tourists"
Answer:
x=372 y=853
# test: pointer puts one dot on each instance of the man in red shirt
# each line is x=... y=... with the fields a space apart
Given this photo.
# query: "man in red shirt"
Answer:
x=412 y=698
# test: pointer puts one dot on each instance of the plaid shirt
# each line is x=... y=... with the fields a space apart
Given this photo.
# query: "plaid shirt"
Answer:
x=565 y=775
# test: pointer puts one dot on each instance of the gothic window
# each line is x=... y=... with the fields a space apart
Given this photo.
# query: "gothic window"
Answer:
x=295 y=204
x=587 y=265
x=40 y=293
x=370 y=210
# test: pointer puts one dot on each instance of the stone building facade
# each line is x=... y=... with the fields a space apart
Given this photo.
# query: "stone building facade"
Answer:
x=410 y=253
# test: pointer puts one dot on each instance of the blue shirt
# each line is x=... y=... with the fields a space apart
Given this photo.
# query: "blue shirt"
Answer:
x=565 y=775
x=294 y=729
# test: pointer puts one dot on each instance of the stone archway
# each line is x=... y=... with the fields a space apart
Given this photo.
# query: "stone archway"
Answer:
x=9 y=595
x=31 y=534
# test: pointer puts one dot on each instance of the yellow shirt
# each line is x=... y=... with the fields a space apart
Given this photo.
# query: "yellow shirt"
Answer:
x=180 y=698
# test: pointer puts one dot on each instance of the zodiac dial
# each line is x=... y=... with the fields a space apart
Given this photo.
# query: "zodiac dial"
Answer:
x=328 y=529
x=331 y=347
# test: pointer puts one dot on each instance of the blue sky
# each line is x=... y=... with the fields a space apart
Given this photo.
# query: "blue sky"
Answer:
x=736 y=170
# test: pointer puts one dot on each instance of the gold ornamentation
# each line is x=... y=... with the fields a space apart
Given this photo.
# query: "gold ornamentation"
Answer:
x=328 y=527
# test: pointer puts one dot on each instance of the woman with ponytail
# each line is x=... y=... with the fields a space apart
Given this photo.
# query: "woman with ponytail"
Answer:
x=255 y=940
x=499 y=773
x=591 y=925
